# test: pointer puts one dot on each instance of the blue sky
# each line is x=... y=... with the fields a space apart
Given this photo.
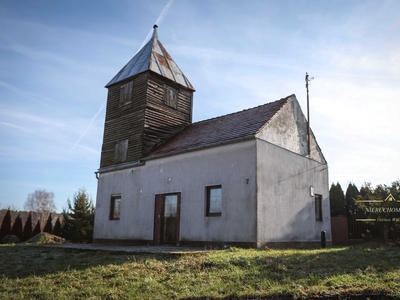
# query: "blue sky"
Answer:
x=57 y=56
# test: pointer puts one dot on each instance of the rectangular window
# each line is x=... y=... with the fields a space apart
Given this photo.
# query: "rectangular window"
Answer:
x=171 y=96
x=318 y=207
x=115 y=207
x=214 y=200
x=125 y=93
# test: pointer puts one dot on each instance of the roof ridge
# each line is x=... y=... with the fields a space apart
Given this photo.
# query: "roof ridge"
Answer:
x=243 y=110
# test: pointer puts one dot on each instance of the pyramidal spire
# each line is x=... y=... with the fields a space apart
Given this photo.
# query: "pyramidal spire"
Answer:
x=155 y=34
x=152 y=57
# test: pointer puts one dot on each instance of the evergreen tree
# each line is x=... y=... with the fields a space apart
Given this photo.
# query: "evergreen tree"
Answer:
x=367 y=192
x=49 y=226
x=5 y=228
x=351 y=194
x=28 y=228
x=379 y=210
x=394 y=189
x=17 y=228
x=57 y=228
x=337 y=201
x=37 y=229
x=79 y=218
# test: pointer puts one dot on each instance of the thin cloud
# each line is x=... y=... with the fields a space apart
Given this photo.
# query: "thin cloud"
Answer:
x=87 y=128
x=28 y=117
x=159 y=20
x=13 y=125
x=164 y=12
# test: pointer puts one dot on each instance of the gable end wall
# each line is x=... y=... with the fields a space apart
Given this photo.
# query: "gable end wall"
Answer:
x=288 y=129
x=285 y=207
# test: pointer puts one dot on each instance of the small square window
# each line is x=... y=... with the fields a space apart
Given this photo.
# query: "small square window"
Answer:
x=214 y=200
x=318 y=207
x=125 y=93
x=115 y=208
x=171 y=96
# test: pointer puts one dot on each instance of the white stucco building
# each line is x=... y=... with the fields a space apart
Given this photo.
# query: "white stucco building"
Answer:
x=243 y=179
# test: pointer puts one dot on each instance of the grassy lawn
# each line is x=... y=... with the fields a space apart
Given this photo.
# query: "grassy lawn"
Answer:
x=34 y=272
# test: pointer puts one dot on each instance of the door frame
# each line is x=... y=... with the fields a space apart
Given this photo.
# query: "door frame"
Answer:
x=158 y=218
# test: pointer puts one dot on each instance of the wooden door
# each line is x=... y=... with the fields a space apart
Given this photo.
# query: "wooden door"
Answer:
x=167 y=219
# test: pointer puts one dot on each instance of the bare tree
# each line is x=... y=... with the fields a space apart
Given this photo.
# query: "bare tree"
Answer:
x=11 y=207
x=41 y=201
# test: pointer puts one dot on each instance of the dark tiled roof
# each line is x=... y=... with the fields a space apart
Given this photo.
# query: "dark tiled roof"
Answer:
x=222 y=129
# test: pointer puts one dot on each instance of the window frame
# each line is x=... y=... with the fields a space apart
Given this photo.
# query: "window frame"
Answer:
x=208 y=201
x=114 y=199
x=121 y=151
x=167 y=99
x=318 y=207
x=125 y=93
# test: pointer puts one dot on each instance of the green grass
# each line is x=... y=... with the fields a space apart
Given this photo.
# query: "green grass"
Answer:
x=34 y=272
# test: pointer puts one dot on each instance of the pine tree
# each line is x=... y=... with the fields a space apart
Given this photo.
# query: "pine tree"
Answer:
x=394 y=189
x=49 y=226
x=337 y=201
x=351 y=194
x=28 y=228
x=79 y=218
x=5 y=228
x=57 y=228
x=17 y=227
x=37 y=229
x=367 y=191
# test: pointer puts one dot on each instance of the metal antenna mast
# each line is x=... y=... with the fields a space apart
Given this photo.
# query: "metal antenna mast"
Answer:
x=308 y=79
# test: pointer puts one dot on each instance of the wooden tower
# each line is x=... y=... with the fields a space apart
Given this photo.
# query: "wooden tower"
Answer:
x=148 y=101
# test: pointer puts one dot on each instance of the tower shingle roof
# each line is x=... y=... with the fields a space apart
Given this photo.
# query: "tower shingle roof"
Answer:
x=153 y=57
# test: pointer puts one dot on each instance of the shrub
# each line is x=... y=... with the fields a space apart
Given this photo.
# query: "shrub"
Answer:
x=27 y=234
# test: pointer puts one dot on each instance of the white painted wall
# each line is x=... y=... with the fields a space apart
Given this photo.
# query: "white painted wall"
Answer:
x=286 y=211
x=189 y=173
x=265 y=189
x=284 y=178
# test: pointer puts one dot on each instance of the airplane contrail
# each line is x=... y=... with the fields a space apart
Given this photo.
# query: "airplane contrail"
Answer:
x=159 y=20
x=87 y=127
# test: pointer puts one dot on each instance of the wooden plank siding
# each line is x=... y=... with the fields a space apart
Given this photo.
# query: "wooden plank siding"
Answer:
x=161 y=120
x=146 y=121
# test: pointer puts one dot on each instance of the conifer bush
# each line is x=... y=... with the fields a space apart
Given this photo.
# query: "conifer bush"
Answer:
x=17 y=228
x=78 y=220
x=5 y=228
x=49 y=226
x=57 y=228
x=27 y=234
x=37 y=229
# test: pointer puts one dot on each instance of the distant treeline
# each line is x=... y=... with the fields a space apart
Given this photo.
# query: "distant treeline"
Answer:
x=74 y=224
x=25 y=224
x=343 y=204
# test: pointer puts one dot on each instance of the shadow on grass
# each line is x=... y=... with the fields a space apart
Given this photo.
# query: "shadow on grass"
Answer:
x=20 y=261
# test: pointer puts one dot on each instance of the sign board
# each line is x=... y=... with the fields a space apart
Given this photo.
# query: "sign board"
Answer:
x=387 y=210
